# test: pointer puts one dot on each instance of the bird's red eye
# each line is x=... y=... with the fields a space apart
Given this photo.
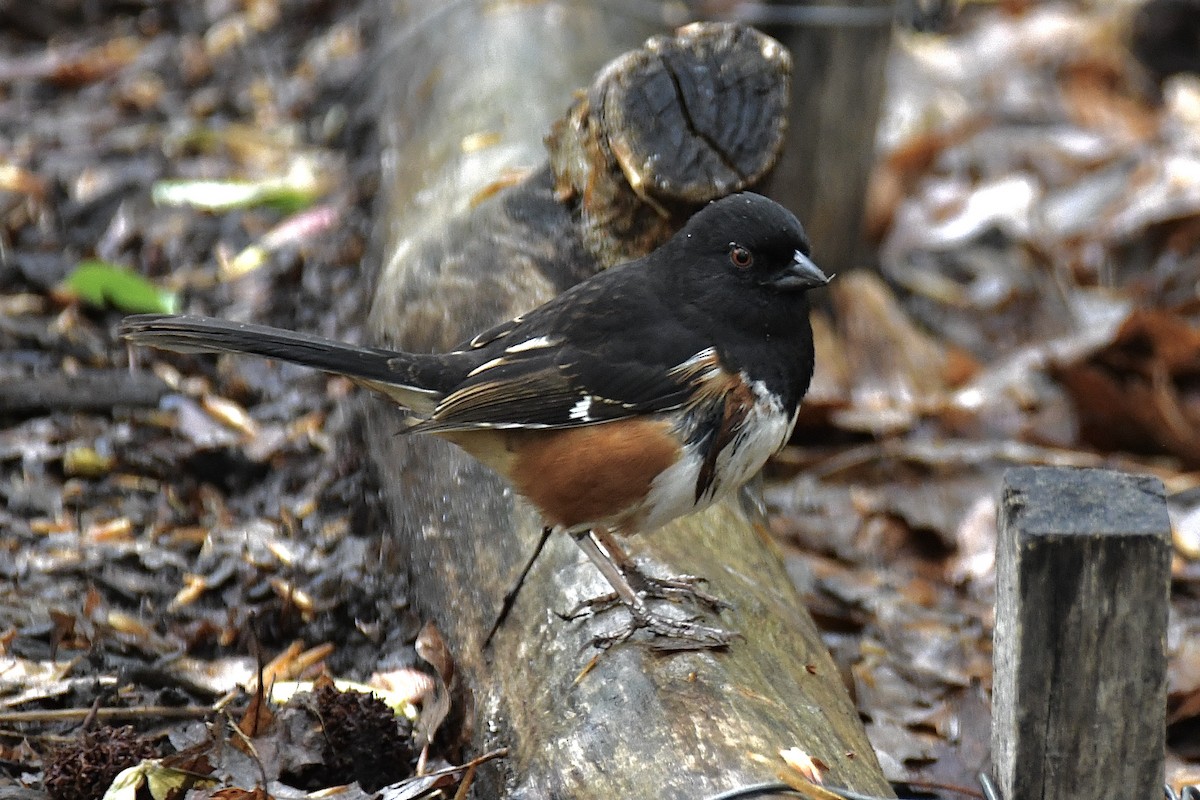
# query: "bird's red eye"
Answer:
x=740 y=256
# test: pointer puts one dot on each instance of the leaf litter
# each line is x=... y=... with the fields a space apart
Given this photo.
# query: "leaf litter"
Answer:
x=177 y=541
x=1036 y=203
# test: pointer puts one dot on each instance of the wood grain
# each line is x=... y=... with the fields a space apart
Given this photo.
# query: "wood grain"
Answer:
x=1083 y=571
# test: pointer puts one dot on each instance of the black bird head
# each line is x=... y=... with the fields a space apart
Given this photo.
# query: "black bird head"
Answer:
x=753 y=239
x=737 y=276
x=744 y=258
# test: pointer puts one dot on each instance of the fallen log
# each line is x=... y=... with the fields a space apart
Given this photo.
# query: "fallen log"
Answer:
x=467 y=245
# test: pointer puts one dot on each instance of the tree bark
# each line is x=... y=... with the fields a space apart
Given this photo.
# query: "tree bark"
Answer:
x=461 y=254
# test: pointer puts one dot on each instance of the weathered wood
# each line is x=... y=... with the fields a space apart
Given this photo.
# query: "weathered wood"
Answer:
x=1083 y=571
x=686 y=725
x=839 y=51
x=668 y=127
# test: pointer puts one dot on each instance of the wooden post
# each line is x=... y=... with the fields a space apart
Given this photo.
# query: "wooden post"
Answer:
x=839 y=51
x=1083 y=571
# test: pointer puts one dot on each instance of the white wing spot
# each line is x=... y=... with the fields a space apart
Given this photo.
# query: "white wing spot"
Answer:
x=495 y=362
x=581 y=410
x=536 y=343
x=702 y=366
x=698 y=358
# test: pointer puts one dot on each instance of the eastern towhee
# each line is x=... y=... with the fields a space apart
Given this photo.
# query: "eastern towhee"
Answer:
x=642 y=394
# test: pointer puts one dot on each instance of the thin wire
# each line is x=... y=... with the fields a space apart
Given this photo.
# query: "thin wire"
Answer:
x=848 y=794
x=753 y=790
x=667 y=14
x=774 y=787
x=630 y=9
x=783 y=15
x=990 y=792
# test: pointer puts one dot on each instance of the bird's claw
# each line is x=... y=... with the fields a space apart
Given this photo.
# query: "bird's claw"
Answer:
x=677 y=588
x=674 y=588
x=667 y=633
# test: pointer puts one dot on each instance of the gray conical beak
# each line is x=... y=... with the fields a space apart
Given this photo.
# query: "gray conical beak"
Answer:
x=801 y=274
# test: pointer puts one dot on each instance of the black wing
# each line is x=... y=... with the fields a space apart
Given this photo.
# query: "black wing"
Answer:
x=605 y=350
x=563 y=390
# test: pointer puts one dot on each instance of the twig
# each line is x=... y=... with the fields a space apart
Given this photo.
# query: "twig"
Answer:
x=142 y=712
x=470 y=765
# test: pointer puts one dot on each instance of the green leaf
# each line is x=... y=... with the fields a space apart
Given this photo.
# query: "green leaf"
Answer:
x=106 y=285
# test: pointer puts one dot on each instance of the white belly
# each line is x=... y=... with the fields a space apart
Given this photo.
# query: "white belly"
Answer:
x=673 y=493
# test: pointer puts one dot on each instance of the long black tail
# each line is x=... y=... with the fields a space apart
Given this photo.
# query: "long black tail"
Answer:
x=386 y=371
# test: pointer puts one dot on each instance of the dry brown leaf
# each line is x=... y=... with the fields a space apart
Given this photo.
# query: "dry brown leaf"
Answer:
x=238 y=793
x=114 y=530
x=897 y=173
x=833 y=375
x=193 y=587
x=1135 y=394
x=899 y=371
x=1098 y=95
x=432 y=648
x=256 y=720
x=1184 y=708
x=812 y=769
